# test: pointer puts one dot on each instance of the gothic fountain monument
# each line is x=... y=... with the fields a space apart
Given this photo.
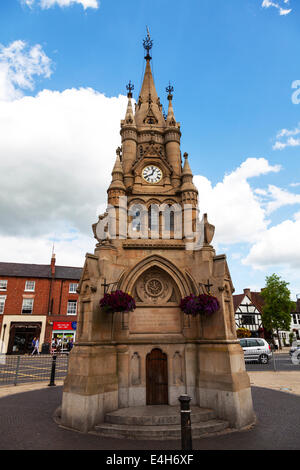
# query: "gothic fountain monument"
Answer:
x=127 y=369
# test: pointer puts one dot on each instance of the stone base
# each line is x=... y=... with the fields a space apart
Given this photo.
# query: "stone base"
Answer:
x=157 y=422
x=234 y=407
x=82 y=412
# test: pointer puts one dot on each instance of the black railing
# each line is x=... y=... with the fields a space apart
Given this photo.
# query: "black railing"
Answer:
x=15 y=370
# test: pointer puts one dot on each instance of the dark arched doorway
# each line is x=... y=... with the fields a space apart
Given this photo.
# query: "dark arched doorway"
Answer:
x=156 y=378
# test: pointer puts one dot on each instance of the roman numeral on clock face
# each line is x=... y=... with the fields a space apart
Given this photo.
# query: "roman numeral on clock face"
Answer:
x=152 y=174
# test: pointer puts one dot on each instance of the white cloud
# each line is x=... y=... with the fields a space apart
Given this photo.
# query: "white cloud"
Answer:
x=37 y=250
x=57 y=151
x=241 y=215
x=44 y=4
x=232 y=205
x=280 y=6
x=279 y=246
x=19 y=65
x=273 y=198
x=288 y=135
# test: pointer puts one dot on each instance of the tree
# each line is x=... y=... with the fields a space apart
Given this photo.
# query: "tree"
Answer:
x=276 y=311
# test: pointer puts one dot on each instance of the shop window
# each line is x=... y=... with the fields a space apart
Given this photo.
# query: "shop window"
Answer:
x=72 y=307
x=72 y=288
x=3 y=284
x=27 y=306
x=2 y=303
x=30 y=286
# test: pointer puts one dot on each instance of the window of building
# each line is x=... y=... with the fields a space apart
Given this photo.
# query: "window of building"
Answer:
x=72 y=288
x=27 y=306
x=30 y=286
x=2 y=303
x=72 y=307
x=153 y=218
x=248 y=320
x=3 y=284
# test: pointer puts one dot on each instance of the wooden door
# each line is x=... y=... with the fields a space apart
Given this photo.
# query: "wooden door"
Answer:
x=156 y=378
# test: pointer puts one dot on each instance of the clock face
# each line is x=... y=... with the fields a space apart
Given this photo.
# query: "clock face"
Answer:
x=152 y=174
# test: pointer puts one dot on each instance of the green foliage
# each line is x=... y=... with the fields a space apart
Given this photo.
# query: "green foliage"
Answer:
x=277 y=304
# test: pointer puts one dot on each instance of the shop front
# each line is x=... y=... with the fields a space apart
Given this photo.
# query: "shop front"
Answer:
x=63 y=333
x=21 y=336
x=17 y=334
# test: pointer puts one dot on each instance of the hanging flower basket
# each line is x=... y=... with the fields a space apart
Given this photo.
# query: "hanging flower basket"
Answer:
x=202 y=304
x=118 y=301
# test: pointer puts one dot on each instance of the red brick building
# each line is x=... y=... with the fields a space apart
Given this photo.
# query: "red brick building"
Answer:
x=37 y=300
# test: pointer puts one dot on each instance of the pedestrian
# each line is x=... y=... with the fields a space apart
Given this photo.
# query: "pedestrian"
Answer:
x=70 y=344
x=33 y=344
x=53 y=345
x=36 y=347
x=58 y=345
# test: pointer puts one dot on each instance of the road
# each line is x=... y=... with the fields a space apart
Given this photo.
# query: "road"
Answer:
x=24 y=369
x=279 y=362
x=38 y=368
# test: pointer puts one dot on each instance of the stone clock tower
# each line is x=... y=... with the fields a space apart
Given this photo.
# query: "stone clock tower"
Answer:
x=155 y=247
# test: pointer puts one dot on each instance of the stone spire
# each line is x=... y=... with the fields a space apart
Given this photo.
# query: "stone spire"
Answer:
x=129 y=139
x=117 y=183
x=129 y=117
x=170 y=121
x=187 y=179
x=149 y=109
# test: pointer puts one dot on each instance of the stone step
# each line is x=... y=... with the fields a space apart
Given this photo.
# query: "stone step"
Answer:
x=121 y=431
x=156 y=415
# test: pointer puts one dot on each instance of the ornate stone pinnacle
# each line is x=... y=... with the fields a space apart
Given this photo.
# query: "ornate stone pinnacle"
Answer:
x=170 y=90
x=129 y=88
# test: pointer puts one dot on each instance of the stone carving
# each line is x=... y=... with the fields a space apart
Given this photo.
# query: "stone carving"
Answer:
x=135 y=368
x=153 y=287
x=177 y=369
x=156 y=286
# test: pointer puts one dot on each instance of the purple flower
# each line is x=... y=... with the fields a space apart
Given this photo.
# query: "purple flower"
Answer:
x=118 y=301
x=202 y=304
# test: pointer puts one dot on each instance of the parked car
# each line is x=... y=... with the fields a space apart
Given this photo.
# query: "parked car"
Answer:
x=256 y=349
x=294 y=347
x=296 y=356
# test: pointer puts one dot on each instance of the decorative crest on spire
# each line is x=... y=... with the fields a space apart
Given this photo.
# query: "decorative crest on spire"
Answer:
x=170 y=90
x=129 y=88
x=148 y=43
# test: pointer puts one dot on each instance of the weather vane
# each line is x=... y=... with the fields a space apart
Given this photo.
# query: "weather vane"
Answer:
x=130 y=88
x=170 y=90
x=148 y=43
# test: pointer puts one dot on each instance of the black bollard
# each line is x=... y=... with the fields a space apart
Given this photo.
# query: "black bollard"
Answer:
x=186 y=429
x=52 y=378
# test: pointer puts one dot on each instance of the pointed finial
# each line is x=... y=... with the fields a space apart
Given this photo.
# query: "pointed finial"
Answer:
x=170 y=90
x=185 y=155
x=148 y=43
x=118 y=152
x=129 y=88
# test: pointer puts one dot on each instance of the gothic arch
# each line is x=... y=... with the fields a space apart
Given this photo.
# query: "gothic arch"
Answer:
x=185 y=285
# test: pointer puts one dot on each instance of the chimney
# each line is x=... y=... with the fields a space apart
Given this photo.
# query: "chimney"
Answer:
x=247 y=292
x=53 y=265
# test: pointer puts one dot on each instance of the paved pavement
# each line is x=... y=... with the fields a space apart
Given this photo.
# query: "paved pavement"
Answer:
x=26 y=421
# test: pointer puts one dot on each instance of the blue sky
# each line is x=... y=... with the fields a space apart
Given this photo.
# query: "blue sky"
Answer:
x=232 y=64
